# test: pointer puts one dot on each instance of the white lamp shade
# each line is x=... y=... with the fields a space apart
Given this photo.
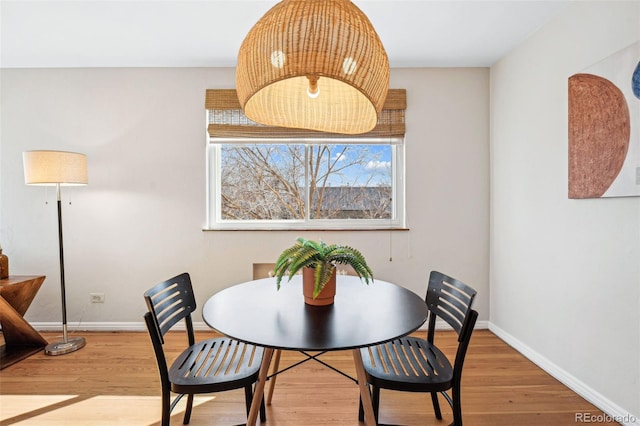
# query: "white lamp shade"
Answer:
x=54 y=167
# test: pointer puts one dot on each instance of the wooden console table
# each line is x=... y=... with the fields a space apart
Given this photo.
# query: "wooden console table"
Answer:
x=21 y=340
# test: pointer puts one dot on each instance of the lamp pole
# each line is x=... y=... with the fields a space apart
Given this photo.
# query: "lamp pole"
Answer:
x=62 y=283
x=67 y=345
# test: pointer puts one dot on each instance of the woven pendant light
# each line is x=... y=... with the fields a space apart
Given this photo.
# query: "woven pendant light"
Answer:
x=313 y=64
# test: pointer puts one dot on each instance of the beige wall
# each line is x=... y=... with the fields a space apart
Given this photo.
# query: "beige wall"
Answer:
x=565 y=274
x=140 y=219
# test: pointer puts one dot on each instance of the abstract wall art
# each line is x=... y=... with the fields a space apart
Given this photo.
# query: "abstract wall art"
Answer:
x=604 y=127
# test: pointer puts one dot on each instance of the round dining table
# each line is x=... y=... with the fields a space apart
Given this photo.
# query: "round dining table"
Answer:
x=362 y=315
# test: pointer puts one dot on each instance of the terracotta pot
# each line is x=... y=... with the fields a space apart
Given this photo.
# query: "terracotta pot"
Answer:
x=327 y=294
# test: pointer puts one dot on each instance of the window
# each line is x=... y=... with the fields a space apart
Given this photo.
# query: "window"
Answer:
x=310 y=184
x=263 y=177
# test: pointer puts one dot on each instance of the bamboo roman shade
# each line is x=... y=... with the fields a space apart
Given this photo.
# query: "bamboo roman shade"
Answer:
x=227 y=120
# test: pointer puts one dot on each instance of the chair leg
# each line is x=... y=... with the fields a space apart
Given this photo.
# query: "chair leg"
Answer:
x=187 y=411
x=360 y=411
x=375 y=399
x=248 y=398
x=272 y=380
x=166 y=407
x=457 y=406
x=263 y=411
x=436 y=405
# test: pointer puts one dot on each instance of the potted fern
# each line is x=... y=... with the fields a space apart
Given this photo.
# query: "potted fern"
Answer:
x=318 y=263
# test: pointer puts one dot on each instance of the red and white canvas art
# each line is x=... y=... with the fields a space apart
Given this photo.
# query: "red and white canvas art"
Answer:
x=604 y=127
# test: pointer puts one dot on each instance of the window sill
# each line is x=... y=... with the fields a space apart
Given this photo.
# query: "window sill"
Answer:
x=303 y=229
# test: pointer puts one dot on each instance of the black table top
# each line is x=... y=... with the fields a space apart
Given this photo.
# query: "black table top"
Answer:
x=362 y=315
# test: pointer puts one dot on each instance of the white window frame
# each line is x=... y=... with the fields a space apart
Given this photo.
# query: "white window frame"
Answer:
x=214 y=203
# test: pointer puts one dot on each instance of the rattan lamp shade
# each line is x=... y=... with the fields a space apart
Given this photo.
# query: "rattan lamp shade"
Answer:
x=54 y=167
x=299 y=44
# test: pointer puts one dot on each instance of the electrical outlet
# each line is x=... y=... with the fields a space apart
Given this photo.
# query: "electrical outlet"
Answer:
x=97 y=297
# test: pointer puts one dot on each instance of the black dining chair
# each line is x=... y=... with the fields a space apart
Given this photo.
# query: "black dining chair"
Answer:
x=414 y=364
x=212 y=365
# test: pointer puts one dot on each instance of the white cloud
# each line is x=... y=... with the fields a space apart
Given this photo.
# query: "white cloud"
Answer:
x=340 y=157
x=371 y=165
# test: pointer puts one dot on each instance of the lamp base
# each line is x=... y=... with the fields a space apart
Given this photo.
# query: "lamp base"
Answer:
x=61 y=348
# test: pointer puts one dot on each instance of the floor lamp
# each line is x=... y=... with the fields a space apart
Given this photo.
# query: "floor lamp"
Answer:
x=57 y=168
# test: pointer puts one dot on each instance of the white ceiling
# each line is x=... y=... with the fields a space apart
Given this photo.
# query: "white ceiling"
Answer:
x=208 y=33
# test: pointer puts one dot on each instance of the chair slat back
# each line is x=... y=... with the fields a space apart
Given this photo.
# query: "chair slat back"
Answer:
x=171 y=301
x=448 y=299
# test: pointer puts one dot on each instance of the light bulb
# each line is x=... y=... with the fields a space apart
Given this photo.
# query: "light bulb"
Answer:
x=313 y=91
x=311 y=94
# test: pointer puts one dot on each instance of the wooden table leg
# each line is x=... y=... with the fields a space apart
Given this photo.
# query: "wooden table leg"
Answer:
x=365 y=394
x=259 y=392
x=272 y=381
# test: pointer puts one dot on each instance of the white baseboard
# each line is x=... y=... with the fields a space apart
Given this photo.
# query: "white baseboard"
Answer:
x=614 y=411
x=197 y=325
x=108 y=326
x=442 y=325
x=90 y=326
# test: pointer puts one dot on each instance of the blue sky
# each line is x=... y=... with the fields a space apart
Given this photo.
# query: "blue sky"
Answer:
x=372 y=173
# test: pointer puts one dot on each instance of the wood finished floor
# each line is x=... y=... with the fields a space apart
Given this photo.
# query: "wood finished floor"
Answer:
x=114 y=380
